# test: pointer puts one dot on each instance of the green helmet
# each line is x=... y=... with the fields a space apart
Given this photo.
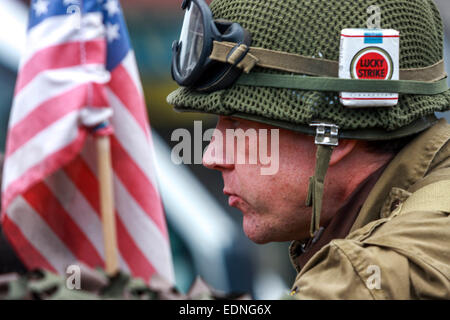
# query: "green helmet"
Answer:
x=312 y=28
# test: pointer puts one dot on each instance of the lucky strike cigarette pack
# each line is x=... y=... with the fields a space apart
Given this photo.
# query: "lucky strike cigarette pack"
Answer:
x=369 y=54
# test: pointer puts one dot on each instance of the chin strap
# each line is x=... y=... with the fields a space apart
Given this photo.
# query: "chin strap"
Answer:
x=327 y=137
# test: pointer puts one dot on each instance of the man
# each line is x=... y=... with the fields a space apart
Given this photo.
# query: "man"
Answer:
x=362 y=190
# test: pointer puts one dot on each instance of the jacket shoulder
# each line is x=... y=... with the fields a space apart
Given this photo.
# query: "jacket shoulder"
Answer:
x=347 y=269
x=403 y=256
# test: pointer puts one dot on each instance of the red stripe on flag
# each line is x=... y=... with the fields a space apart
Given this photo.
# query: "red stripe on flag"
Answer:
x=27 y=253
x=124 y=88
x=43 y=201
x=61 y=56
x=96 y=96
x=44 y=168
x=87 y=183
x=138 y=185
x=136 y=260
x=51 y=111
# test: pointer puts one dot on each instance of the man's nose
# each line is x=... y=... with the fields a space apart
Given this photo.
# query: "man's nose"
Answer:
x=215 y=156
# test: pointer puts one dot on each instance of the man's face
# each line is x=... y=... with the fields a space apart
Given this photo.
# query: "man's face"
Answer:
x=273 y=206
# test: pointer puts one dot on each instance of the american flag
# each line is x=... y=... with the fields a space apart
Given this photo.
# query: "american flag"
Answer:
x=79 y=70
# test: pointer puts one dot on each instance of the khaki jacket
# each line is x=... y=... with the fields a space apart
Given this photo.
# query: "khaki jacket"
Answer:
x=399 y=246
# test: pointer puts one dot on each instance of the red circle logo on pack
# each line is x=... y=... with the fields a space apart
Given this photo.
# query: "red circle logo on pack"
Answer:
x=372 y=63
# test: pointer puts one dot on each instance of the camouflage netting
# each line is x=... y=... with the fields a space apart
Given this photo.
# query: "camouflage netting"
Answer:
x=96 y=285
x=312 y=28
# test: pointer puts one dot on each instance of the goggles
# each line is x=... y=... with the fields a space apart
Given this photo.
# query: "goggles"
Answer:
x=214 y=54
x=191 y=64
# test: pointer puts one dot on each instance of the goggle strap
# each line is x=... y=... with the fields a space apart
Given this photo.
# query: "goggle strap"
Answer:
x=228 y=52
x=294 y=63
x=270 y=59
x=239 y=53
x=342 y=85
x=426 y=74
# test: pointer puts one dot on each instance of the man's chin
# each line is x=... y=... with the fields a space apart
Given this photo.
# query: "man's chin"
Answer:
x=257 y=239
x=256 y=234
x=261 y=233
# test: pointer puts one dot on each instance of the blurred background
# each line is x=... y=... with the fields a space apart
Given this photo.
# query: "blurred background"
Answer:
x=206 y=234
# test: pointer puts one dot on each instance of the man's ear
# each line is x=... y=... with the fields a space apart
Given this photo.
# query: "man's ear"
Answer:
x=344 y=149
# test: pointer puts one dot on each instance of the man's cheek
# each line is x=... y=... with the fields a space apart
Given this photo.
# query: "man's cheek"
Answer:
x=269 y=161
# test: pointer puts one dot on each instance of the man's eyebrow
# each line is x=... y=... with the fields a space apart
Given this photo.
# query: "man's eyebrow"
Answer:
x=231 y=119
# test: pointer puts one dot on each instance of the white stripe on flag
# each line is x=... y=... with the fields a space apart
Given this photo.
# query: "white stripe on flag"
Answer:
x=80 y=211
x=40 y=235
x=62 y=29
x=145 y=233
x=50 y=84
x=130 y=65
x=141 y=228
x=132 y=138
x=54 y=138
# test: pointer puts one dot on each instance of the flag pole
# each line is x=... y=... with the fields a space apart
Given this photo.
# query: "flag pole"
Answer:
x=107 y=204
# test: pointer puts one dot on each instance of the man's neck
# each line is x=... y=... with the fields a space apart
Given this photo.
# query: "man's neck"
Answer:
x=341 y=223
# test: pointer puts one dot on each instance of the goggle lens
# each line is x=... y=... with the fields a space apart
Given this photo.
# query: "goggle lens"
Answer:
x=191 y=40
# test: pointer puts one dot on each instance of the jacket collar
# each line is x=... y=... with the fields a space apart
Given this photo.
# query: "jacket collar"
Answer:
x=407 y=168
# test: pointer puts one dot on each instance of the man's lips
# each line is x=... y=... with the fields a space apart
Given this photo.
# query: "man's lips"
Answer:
x=233 y=199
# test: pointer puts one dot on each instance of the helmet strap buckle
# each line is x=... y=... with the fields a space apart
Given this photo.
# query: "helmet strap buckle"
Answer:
x=326 y=134
x=237 y=54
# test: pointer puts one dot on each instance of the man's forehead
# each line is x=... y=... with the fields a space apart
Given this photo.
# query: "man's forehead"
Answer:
x=235 y=120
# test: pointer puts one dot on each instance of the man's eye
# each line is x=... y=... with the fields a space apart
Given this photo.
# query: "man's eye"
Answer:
x=231 y=123
x=235 y=123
